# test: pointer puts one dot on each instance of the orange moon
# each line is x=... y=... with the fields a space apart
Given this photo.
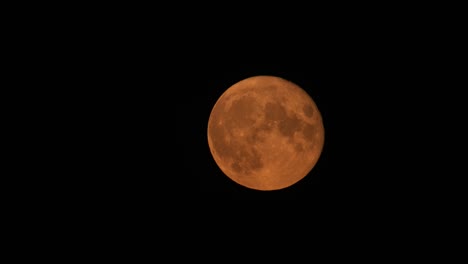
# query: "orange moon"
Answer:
x=265 y=133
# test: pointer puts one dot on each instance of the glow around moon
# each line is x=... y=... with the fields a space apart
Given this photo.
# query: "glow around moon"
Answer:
x=265 y=133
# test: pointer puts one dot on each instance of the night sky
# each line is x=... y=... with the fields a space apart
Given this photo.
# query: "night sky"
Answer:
x=363 y=86
x=338 y=86
x=364 y=97
x=141 y=92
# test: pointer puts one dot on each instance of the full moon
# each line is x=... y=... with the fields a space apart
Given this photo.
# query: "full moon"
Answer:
x=265 y=133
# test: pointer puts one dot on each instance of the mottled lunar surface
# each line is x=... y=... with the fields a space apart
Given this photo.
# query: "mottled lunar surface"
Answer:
x=265 y=133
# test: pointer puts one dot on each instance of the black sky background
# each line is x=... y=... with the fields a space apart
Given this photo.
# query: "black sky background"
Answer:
x=373 y=90
x=356 y=89
x=366 y=79
x=133 y=91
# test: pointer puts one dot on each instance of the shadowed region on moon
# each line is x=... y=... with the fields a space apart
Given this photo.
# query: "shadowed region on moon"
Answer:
x=308 y=110
x=287 y=124
x=274 y=112
x=229 y=139
x=265 y=133
x=240 y=115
